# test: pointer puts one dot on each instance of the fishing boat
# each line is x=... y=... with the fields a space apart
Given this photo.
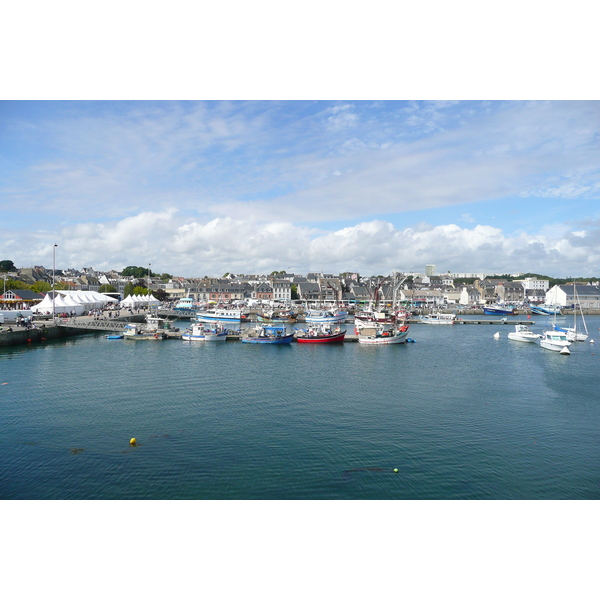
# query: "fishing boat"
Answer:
x=499 y=309
x=221 y=315
x=114 y=337
x=522 y=333
x=267 y=334
x=155 y=322
x=276 y=316
x=546 y=309
x=439 y=319
x=199 y=332
x=372 y=316
x=556 y=341
x=325 y=316
x=382 y=333
x=186 y=304
x=138 y=331
x=322 y=334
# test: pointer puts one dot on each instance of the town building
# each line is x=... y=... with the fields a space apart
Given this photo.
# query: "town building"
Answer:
x=587 y=296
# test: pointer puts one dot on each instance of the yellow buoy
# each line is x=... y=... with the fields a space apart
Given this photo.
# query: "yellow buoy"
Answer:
x=132 y=441
x=395 y=470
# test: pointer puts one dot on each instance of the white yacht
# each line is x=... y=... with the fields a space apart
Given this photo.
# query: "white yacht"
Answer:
x=522 y=333
x=556 y=341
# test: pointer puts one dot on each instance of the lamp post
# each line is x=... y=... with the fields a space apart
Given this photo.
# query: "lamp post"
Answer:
x=148 y=295
x=53 y=290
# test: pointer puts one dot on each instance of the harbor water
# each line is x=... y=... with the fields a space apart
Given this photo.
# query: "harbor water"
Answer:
x=459 y=414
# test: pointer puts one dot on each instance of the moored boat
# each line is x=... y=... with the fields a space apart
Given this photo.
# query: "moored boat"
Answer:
x=199 y=332
x=499 y=309
x=322 y=334
x=439 y=319
x=221 y=315
x=185 y=304
x=546 y=309
x=325 y=316
x=275 y=316
x=556 y=341
x=382 y=333
x=574 y=334
x=522 y=333
x=267 y=334
x=138 y=331
x=371 y=316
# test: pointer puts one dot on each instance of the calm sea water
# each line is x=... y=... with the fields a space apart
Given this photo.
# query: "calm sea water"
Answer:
x=459 y=414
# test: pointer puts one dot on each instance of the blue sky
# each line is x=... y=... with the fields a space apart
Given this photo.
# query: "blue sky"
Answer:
x=201 y=188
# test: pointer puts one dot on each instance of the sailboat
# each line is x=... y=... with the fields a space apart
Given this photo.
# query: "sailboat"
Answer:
x=555 y=339
x=573 y=335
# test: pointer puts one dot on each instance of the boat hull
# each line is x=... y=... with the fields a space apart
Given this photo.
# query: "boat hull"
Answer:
x=554 y=347
x=555 y=341
x=540 y=310
x=400 y=338
x=323 y=339
x=487 y=310
x=522 y=333
x=517 y=337
x=215 y=337
x=284 y=339
x=438 y=319
x=339 y=317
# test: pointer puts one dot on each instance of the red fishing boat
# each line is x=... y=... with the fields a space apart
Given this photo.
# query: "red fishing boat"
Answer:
x=320 y=335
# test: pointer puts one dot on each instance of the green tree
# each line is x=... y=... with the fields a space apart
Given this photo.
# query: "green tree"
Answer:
x=16 y=284
x=166 y=277
x=41 y=287
x=7 y=265
x=107 y=288
x=294 y=291
x=161 y=295
x=128 y=291
x=138 y=290
x=137 y=272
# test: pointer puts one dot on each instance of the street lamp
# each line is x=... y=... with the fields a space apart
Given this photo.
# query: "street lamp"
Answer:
x=53 y=290
x=148 y=296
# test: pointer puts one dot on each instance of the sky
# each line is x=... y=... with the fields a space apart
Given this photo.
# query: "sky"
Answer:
x=350 y=142
x=200 y=188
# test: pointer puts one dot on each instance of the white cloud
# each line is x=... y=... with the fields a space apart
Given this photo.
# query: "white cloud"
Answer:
x=192 y=248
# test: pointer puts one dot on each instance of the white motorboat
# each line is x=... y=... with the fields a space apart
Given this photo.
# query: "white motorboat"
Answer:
x=439 y=319
x=522 y=333
x=199 y=332
x=556 y=341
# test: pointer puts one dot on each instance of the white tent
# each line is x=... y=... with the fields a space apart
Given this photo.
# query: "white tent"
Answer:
x=128 y=302
x=73 y=305
x=152 y=301
x=45 y=306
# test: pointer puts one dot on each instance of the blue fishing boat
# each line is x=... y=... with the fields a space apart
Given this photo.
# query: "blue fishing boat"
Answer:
x=268 y=334
x=499 y=309
x=546 y=309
